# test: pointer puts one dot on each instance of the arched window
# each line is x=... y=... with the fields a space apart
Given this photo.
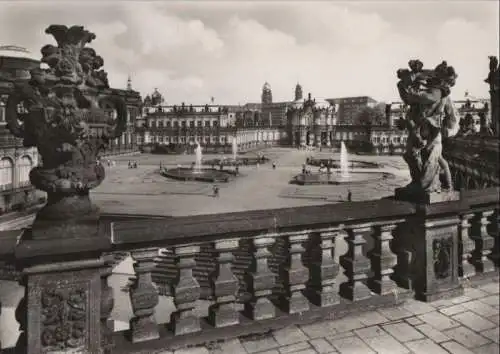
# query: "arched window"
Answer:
x=6 y=172
x=25 y=165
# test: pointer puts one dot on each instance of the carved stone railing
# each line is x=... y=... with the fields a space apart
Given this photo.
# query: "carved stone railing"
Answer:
x=255 y=270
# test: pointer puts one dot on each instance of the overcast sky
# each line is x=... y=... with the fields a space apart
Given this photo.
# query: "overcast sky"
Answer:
x=195 y=50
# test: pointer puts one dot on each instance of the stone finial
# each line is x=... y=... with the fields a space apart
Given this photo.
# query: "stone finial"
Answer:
x=62 y=103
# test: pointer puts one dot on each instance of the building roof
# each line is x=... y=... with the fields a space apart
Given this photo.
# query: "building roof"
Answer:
x=14 y=51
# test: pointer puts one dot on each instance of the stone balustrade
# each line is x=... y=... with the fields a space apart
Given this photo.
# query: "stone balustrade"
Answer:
x=254 y=271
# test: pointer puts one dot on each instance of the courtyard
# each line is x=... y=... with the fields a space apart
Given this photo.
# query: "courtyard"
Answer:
x=144 y=191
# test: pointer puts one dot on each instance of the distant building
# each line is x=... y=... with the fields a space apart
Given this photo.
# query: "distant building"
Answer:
x=16 y=161
x=350 y=107
x=468 y=104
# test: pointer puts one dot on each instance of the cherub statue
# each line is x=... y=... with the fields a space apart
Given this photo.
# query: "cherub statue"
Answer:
x=431 y=117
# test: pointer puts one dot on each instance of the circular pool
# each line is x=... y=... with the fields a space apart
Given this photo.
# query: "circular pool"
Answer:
x=335 y=177
x=203 y=175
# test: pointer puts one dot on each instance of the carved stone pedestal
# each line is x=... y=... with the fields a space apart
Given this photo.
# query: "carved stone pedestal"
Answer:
x=434 y=241
x=62 y=303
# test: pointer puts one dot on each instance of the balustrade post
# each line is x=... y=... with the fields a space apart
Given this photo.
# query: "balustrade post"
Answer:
x=61 y=309
x=495 y=231
x=295 y=275
x=107 y=304
x=225 y=286
x=324 y=269
x=436 y=252
x=466 y=246
x=261 y=280
x=356 y=264
x=484 y=243
x=383 y=261
x=143 y=297
x=186 y=291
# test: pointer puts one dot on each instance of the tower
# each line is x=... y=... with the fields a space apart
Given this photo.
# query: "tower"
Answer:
x=298 y=92
x=267 y=94
x=129 y=84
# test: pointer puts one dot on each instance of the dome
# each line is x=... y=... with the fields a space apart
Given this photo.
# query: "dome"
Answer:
x=321 y=103
x=14 y=51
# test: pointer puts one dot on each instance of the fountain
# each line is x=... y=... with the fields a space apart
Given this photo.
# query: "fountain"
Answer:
x=235 y=148
x=344 y=163
x=199 y=156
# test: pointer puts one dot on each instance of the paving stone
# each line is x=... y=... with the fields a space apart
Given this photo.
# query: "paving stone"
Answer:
x=289 y=335
x=259 y=345
x=273 y=351
x=340 y=336
x=425 y=346
x=473 y=321
x=466 y=337
x=456 y=348
x=440 y=303
x=474 y=293
x=438 y=320
x=491 y=348
x=372 y=318
x=395 y=313
x=403 y=332
x=386 y=344
x=413 y=321
x=492 y=334
x=492 y=300
x=453 y=310
x=370 y=332
x=492 y=288
x=418 y=307
x=347 y=324
x=294 y=347
x=460 y=299
x=495 y=319
x=351 y=345
x=319 y=329
x=229 y=347
x=480 y=308
x=322 y=346
x=307 y=351
x=198 y=350
x=432 y=333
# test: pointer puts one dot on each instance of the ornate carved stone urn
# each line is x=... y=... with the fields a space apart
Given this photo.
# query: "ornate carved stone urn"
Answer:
x=64 y=103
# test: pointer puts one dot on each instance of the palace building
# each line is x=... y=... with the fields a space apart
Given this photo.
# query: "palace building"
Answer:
x=16 y=161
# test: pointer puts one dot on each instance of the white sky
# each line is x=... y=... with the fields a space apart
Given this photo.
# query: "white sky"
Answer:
x=195 y=50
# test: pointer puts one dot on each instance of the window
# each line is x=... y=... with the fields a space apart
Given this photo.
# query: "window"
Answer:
x=160 y=124
x=215 y=123
x=176 y=124
x=2 y=114
x=191 y=124
x=207 y=123
x=199 y=123
x=183 y=124
x=6 y=172
x=168 y=124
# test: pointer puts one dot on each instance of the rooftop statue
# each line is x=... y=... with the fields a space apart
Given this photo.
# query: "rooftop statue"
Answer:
x=431 y=117
x=61 y=101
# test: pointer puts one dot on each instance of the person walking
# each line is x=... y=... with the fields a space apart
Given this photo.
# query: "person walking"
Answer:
x=216 y=191
x=274 y=165
x=349 y=195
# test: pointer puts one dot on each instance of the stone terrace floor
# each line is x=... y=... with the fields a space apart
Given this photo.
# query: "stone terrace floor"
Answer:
x=464 y=325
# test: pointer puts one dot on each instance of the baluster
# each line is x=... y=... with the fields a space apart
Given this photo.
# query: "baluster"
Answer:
x=107 y=304
x=295 y=275
x=186 y=291
x=260 y=281
x=403 y=248
x=324 y=270
x=143 y=297
x=356 y=265
x=383 y=261
x=466 y=246
x=495 y=232
x=225 y=286
x=483 y=242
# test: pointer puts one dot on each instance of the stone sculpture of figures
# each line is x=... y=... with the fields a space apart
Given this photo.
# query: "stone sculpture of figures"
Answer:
x=431 y=118
x=494 y=81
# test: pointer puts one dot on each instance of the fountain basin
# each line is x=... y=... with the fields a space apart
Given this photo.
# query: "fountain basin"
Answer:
x=242 y=161
x=202 y=175
x=335 y=177
x=336 y=163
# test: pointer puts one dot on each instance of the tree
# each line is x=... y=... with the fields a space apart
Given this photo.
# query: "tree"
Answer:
x=372 y=115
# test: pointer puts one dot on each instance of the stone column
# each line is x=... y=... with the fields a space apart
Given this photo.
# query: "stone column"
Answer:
x=466 y=246
x=383 y=260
